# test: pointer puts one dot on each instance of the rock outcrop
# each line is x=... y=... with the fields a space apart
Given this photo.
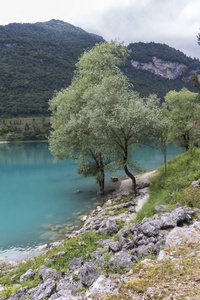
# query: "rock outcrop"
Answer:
x=166 y=69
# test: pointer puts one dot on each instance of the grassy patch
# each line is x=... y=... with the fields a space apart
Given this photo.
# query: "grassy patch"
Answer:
x=72 y=249
x=181 y=171
x=174 y=278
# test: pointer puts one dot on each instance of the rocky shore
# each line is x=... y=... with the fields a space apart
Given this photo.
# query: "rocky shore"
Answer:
x=127 y=244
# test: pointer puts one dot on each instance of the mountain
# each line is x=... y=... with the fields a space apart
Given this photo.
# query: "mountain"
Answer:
x=158 y=68
x=37 y=59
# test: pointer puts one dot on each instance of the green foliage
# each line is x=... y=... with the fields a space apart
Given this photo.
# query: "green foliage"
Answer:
x=183 y=113
x=25 y=129
x=39 y=59
x=189 y=197
x=73 y=111
x=120 y=223
x=170 y=188
x=36 y=60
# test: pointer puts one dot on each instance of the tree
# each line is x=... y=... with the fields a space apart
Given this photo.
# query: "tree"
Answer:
x=71 y=136
x=120 y=119
x=163 y=131
x=99 y=120
x=184 y=113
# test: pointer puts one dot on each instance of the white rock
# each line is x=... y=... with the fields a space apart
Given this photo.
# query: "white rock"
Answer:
x=102 y=285
x=84 y=218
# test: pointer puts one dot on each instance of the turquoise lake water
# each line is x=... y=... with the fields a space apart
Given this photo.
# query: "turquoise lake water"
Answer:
x=39 y=199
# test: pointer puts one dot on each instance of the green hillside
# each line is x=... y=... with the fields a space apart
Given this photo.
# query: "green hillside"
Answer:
x=35 y=60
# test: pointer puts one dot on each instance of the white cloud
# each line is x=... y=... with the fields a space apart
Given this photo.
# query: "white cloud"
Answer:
x=173 y=22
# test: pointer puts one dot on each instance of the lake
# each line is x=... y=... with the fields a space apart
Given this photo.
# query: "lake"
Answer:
x=41 y=201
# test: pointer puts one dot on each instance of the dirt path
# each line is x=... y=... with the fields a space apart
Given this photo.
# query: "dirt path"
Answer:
x=125 y=185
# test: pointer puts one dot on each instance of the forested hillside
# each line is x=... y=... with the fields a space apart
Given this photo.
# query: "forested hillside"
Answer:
x=37 y=59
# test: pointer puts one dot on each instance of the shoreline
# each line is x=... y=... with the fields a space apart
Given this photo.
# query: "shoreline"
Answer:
x=19 y=254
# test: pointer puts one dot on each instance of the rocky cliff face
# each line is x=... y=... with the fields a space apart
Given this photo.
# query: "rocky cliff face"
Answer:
x=166 y=69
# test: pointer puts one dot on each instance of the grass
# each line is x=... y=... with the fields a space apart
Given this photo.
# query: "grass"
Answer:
x=181 y=171
x=177 y=277
x=72 y=249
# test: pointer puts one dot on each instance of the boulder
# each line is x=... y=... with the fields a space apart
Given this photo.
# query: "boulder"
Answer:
x=88 y=275
x=102 y=286
x=44 y=290
x=76 y=263
x=48 y=273
x=30 y=274
x=121 y=260
x=20 y=294
x=181 y=235
x=59 y=254
x=114 y=247
x=108 y=226
x=149 y=230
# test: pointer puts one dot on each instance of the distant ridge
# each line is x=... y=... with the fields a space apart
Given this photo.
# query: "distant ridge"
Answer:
x=37 y=59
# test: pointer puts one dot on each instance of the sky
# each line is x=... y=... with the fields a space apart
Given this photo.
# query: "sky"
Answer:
x=172 y=22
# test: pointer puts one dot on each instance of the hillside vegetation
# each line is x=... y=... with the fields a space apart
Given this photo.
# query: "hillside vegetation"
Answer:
x=175 y=185
x=37 y=59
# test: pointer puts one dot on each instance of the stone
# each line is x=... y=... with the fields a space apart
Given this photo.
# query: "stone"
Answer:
x=96 y=254
x=102 y=286
x=114 y=247
x=44 y=290
x=20 y=294
x=114 y=179
x=84 y=218
x=167 y=221
x=149 y=230
x=121 y=260
x=99 y=208
x=42 y=247
x=59 y=254
x=108 y=226
x=181 y=215
x=161 y=208
x=88 y=275
x=131 y=209
x=30 y=274
x=196 y=184
x=48 y=273
x=181 y=235
x=76 y=263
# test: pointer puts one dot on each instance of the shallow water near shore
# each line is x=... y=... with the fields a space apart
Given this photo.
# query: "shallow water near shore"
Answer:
x=42 y=201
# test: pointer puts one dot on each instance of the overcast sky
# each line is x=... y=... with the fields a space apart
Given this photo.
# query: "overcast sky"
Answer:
x=173 y=22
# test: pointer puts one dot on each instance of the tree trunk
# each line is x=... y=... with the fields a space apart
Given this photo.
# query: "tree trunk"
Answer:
x=130 y=175
x=186 y=142
x=101 y=180
x=101 y=186
x=165 y=159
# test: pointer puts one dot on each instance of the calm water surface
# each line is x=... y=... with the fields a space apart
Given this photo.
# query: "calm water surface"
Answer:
x=39 y=198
